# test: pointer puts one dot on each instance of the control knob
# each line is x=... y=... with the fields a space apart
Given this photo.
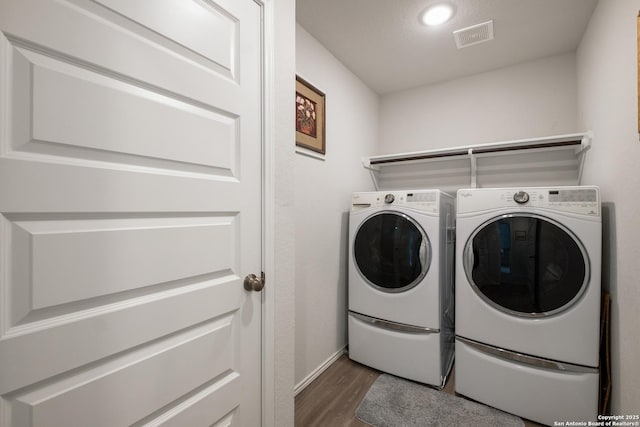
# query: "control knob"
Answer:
x=521 y=197
x=389 y=198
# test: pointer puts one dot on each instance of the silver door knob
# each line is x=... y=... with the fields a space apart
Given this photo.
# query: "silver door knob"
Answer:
x=253 y=282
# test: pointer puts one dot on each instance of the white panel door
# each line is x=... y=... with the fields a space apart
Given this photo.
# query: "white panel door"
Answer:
x=130 y=212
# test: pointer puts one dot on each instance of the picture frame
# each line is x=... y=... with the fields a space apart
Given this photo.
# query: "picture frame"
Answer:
x=310 y=116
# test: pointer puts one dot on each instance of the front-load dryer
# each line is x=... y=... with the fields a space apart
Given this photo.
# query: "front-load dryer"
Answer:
x=528 y=300
x=401 y=311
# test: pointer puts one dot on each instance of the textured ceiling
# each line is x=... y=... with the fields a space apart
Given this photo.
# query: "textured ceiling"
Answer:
x=385 y=45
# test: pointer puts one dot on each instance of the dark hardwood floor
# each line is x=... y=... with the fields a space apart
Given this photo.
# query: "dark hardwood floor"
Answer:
x=331 y=399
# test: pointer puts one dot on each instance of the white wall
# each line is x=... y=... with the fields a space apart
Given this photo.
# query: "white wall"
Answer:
x=529 y=100
x=322 y=201
x=607 y=88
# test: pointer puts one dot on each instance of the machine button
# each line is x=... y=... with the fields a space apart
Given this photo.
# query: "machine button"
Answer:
x=521 y=197
x=389 y=198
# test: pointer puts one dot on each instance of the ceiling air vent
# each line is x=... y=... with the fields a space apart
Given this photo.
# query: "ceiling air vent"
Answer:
x=475 y=34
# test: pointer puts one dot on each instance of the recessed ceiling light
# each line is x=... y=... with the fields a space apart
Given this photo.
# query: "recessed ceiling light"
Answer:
x=437 y=14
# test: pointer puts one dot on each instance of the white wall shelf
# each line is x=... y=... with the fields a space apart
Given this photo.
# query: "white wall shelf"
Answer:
x=553 y=160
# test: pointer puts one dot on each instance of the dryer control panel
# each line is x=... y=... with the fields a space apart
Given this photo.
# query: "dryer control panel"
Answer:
x=424 y=200
x=580 y=200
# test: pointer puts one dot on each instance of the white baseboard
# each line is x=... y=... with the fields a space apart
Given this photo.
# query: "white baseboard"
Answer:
x=316 y=373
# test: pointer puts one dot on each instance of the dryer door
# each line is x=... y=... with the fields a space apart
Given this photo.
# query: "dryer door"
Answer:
x=391 y=251
x=526 y=264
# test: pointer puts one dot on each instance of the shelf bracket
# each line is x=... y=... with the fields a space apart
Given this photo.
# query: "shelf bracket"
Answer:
x=366 y=162
x=585 y=144
x=472 y=160
x=374 y=178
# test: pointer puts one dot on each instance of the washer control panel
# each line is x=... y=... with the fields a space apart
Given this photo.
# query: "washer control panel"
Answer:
x=424 y=200
x=580 y=200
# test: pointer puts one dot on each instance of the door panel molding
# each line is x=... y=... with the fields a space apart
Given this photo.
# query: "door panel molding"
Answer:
x=131 y=179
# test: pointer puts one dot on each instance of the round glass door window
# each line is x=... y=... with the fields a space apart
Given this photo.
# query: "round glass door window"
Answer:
x=526 y=265
x=391 y=251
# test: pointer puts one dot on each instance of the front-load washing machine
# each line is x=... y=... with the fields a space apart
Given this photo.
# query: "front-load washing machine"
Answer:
x=528 y=300
x=401 y=311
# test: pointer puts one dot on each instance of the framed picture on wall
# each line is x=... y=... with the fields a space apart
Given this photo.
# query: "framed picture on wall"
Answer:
x=310 y=116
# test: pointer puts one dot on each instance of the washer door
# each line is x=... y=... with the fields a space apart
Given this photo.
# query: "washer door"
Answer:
x=391 y=251
x=526 y=264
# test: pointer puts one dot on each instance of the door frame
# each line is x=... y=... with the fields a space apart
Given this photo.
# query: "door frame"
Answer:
x=278 y=140
x=268 y=354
